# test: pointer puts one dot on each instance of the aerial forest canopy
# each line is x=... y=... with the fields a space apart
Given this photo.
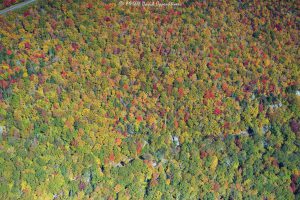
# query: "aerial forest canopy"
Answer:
x=190 y=100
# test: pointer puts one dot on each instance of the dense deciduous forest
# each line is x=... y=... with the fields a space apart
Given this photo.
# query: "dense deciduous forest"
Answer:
x=106 y=101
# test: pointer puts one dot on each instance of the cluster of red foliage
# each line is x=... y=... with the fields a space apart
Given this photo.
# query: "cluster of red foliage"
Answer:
x=209 y=95
x=27 y=45
x=26 y=13
x=217 y=111
x=8 y=52
x=139 y=147
x=89 y=6
x=8 y=3
x=139 y=118
x=293 y=186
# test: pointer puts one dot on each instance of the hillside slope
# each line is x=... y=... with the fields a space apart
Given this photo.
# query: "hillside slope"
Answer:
x=109 y=101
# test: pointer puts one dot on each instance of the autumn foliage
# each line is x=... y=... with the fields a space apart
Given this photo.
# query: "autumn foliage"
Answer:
x=100 y=100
